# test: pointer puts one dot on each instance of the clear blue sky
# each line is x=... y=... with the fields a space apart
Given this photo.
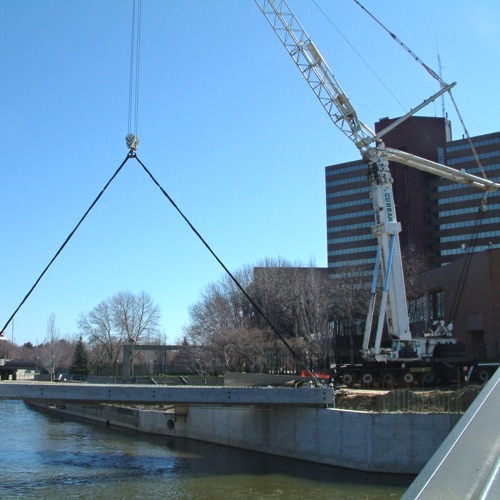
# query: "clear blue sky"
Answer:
x=227 y=125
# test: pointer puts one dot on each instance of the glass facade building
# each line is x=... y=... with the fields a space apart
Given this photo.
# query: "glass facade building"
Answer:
x=440 y=220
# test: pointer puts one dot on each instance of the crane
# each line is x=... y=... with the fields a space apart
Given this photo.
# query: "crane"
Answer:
x=388 y=263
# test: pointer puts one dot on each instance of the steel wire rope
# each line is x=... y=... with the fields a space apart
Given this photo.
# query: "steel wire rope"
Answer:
x=441 y=82
x=134 y=77
x=359 y=55
x=426 y=67
x=133 y=113
x=367 y=64
x=129 y=155
x=470 y=250
x=233 y=278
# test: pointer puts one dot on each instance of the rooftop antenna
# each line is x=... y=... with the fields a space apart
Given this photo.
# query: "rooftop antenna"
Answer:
x=443 y=109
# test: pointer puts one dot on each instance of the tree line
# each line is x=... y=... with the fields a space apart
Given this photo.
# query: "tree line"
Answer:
x=300 y=314
x=124 y=317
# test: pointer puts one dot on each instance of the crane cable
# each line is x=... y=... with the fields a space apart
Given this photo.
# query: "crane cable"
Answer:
x=469 y=251
x=66 y=241
x=132 y=143
x=441 y=82
x=134 y=78
x=228 y=272
x=359 y=55
x=132 y=154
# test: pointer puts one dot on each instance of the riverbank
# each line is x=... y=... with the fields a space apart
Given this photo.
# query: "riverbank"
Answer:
x=360 y=440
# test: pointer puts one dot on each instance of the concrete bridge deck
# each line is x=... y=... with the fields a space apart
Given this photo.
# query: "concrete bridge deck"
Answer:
x=157 y=394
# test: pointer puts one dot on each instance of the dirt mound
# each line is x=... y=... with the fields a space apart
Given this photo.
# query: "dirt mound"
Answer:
x=435 y=401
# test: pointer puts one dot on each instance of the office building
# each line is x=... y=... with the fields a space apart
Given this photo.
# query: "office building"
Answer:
x=440 y=219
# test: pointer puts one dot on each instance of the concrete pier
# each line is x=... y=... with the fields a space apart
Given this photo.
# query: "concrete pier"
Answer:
x=376 y=442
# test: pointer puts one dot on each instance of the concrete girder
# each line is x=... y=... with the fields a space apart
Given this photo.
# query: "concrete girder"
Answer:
x=154 y=394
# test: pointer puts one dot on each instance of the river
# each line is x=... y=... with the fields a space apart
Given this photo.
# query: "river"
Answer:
x=46 y=456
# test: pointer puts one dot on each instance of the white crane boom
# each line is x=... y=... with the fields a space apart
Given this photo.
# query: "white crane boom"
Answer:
x=318 y=75
x=441 y=170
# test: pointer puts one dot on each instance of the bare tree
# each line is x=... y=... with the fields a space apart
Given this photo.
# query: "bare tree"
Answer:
x=56 y=352
x=275 y=289
x=295 y=300
x=298 y=299
x=98 y=327
x=222 y=327
x=414 y=265
x=222 y=306
x=124 y=317
x=136 y=316
x=316 y=313
x=349 y=295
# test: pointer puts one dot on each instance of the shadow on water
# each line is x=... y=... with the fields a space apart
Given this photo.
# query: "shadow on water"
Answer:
x=72 y=456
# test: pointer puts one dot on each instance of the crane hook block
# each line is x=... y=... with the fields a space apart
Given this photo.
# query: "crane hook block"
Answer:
x=132 y=142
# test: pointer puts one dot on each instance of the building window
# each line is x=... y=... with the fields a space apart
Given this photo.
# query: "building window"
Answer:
x=416 y=309
x=436 y=305
x=427 y=308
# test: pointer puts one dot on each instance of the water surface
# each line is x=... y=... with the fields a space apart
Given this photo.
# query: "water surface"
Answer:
x=46 y=456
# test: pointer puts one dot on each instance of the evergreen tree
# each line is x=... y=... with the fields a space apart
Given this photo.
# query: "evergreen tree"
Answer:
x=80 y=364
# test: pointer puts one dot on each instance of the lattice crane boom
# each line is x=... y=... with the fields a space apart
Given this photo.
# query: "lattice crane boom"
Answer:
x=332 y=97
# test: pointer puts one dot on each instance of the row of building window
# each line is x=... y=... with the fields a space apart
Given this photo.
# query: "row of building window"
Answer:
x=342 y=170
x=361 y=237
x=477 y=144
x=348 y=180
x=469 y=223
x=353 y=251
x=357 y=262
x=460 y=237
x=348 y=192
x=349 y=227
x=469 y=210
x=466 y=159
x=466 y=197
x=345 y=204
x=350 y=215
x=455 y=251
x=488 y=168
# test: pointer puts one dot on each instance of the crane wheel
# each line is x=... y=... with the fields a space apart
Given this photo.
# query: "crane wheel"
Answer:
x=388 y=379
x=429 y=379
x=408 y=378
x=483 y=376
x=367 y=378
x=348 y=379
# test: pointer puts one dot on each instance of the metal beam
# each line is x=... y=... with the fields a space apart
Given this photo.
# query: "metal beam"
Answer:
x=157 y=394
x=467 y=464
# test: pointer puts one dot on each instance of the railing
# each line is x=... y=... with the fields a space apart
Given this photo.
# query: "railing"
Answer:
x=435 y=401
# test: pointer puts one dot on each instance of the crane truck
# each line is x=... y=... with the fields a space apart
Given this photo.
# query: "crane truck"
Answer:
x=408 y=356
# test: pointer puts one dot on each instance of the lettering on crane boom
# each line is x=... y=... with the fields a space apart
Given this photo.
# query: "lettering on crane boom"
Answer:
x=389 y=207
